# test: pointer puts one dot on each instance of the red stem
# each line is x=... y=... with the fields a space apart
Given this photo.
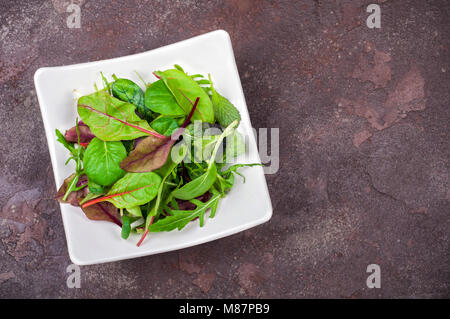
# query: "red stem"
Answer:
x=146 y=232
x=101 y=199
x=179 y=131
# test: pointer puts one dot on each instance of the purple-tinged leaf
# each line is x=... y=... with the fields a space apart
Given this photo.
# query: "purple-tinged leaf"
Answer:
x=100 y=211
x=151 y=153
x=85 y=133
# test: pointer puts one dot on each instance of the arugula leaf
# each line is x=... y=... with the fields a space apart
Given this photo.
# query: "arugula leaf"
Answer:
x=185 y=90
x=165 y=171
x=102 y=161
x=128 y=91
x=111 y=119
x=224 y=111
x=233 y=168
x=131 y=190
x=202 y=183
x=77 y=156
x=159 y=99
x=180 y=218
x=198 y=186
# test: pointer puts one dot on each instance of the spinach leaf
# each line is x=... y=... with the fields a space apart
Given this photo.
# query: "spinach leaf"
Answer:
x=164 y=125
x=111 y=119
x=102 y=161
x=128 y=91
x=224 y=111
x=159 y=99
x=185 y=90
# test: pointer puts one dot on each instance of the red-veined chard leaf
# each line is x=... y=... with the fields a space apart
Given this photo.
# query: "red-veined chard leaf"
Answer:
x=100 y=211
x=151 y=153
x=111 y=119
x=131 y=190
x=102 y=159
x=185 y=90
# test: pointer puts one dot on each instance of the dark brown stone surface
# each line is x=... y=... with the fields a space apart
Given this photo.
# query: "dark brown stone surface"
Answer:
x=364 y=148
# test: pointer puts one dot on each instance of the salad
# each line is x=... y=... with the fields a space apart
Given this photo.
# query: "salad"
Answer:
x=152 y=160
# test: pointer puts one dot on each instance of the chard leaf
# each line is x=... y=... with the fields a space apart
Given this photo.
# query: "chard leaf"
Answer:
x=103 y=211
x=74 y=197
x=128 y=91
x=135 y=211
x=131 y=190
x=102 y=161
x=151 y=153
x=111 y=119
x=224 y=111
x=100 y=211
x=159 y=99
x=185 y=90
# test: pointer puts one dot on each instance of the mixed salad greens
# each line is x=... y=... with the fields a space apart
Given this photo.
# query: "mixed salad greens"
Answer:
x=153 y=160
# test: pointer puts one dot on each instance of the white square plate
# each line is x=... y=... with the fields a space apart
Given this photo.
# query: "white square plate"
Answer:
x=247 y=205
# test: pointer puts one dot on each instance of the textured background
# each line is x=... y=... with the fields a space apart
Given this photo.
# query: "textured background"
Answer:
x=364 y=148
